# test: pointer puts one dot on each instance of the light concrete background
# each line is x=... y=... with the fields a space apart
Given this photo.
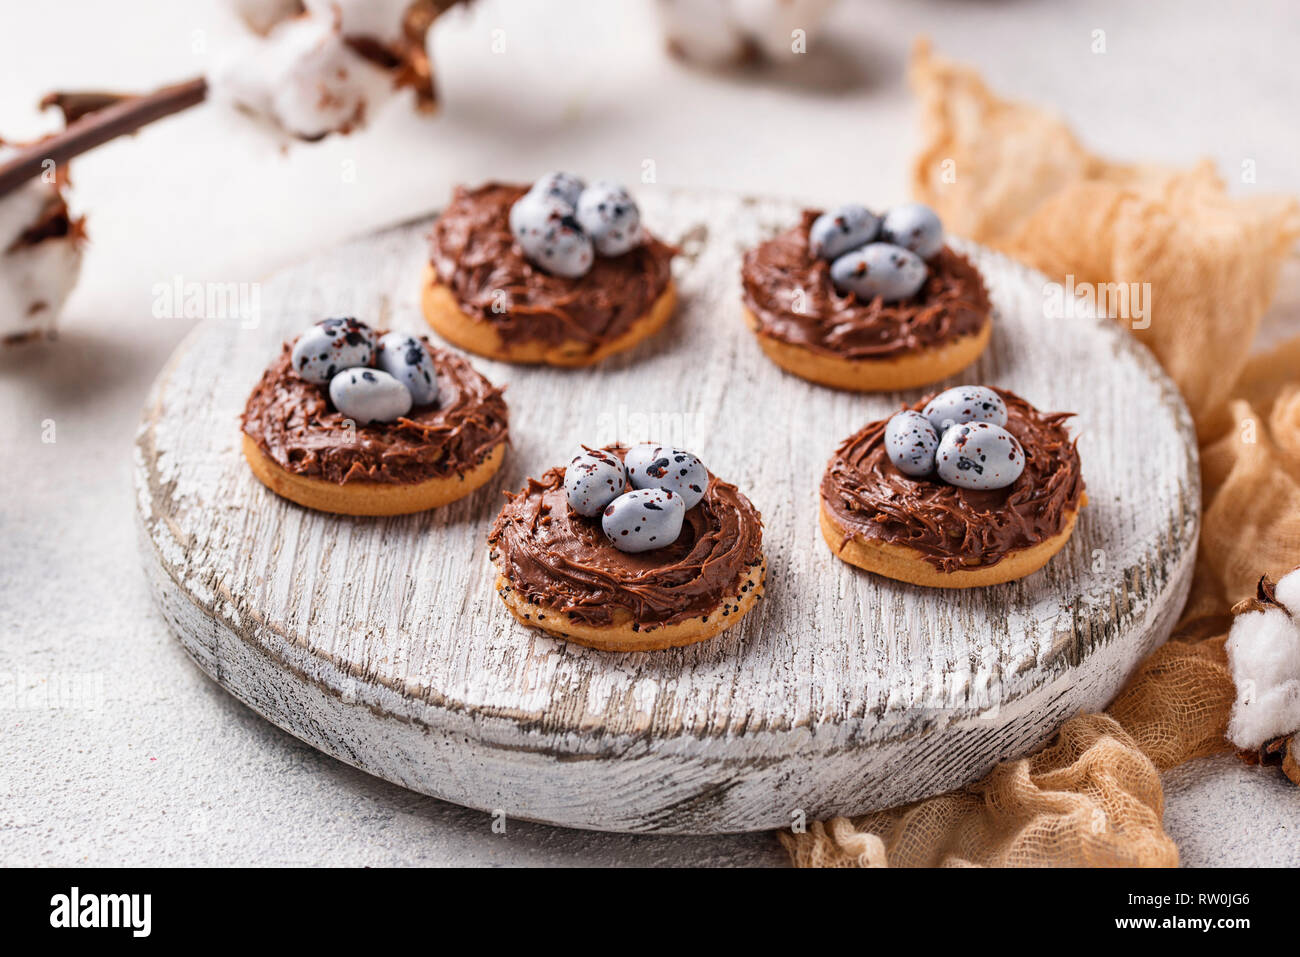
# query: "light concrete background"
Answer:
x=116 y=750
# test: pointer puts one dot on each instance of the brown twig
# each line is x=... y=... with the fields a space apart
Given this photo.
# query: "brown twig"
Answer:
x=111 y=116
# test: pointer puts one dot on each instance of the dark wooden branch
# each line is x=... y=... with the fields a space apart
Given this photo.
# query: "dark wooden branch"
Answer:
x=96 y=118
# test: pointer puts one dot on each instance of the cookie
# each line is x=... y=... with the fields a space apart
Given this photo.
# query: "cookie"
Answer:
x=875 y=316
x=365 y=442
x=1016 y=509
x=514 y=275
x=613 y=581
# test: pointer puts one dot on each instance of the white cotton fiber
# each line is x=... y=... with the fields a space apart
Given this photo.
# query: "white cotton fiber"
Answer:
x=1264 y=655
x=35 y=279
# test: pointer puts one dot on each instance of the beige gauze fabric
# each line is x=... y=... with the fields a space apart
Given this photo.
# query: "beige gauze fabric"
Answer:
x=1015 y=177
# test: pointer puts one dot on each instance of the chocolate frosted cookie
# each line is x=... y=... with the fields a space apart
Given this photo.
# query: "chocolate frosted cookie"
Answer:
x=629 y=550
x=559 y=273
x=970 y=487
x=351 y=421
x=855 y=301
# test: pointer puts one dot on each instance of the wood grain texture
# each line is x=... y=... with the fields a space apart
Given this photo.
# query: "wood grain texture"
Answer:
x=382 y=642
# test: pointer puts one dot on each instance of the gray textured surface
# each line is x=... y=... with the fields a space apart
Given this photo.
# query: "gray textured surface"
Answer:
x=1221 y=812
x=171 y=769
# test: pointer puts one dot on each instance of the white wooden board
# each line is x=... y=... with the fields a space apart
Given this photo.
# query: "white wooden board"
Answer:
x=382 y=642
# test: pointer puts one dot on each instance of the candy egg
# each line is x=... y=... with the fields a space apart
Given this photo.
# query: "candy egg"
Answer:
x=643 y=519
x=369 y=395
x=408 y=360
x=593 y=480
x=913 y=226
x=979 y=455
x=879 y=269
x=609 y=215
x=911 y=442
x=560 y=185
x=533 y=213
x=660 y=466
x=965 y=403
x=329 y=347
x=836 y=231
x=550 y=236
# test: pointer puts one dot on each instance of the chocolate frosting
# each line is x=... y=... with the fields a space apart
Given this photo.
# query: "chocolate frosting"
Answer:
x=293 y=422
x=952 y=303
x=475 y=255
x=953 y=527
x=561 y=560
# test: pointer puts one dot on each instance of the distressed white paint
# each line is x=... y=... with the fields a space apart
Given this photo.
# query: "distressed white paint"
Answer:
x=382 y=642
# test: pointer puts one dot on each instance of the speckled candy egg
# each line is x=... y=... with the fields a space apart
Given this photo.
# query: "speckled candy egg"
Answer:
x=408 y=360
x=564 y=186
x=979 y=455
x=593 y=480
x=550 y=236
x=661 y=466
x=329 y=347
x=532 y=214
x=610 y=217
x=913 y=226
x=879 y=269
x=965 y=403
x=369 y=395
x=910 y=443
x=644 y=519
x=838 y=230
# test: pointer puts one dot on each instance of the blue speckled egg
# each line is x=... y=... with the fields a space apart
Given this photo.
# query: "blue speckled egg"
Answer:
x=593 y=480
x=409 y=361
x=979 y=455
x=661 y=466
x=550 y=236
x=913 y=226
x=644 y=519
x=369 y=395
x=838 y=230
x=965 y=403
x=329 y=347
x=610 y=217
x=910 y=443
x=561 y=185
x=879 y=269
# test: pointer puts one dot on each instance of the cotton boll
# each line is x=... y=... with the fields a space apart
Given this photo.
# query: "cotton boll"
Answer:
x=1264 y=656
x=35 y=282
x=701 y=31
x=771 y=24
x=20 y=209
x=262 y=15
x=377 y=19
x=1287 y=592
x=36 y=278
x=302 y=78
x=320 y=86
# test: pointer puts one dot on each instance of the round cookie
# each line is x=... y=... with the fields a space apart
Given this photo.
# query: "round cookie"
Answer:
x=480 y=292
x=808 y=328
x=926 y=532
x=557 y=571
x=303 y=449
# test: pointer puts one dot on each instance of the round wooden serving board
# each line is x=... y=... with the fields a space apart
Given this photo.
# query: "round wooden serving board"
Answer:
x=383 y=643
